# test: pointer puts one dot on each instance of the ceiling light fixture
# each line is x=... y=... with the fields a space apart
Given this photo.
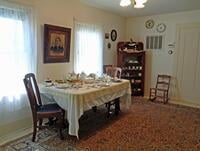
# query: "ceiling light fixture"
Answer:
x=125 y=3
x=141 y=1
x=137 y=3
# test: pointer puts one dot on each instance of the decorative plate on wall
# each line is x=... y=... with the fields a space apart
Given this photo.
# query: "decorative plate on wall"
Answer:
x=113 y=35
x=161 y=27
x=149 y=24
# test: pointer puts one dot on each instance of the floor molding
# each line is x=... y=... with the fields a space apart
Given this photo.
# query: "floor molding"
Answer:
x=15 y=135
x=179 y=102
x=185 y=104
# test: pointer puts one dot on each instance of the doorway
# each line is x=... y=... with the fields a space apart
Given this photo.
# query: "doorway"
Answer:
x=187 y=68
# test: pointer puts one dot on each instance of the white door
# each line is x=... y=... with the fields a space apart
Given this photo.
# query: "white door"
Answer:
x=188 y=63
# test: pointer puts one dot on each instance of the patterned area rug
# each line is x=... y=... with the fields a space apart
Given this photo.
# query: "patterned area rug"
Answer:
x=147 y=126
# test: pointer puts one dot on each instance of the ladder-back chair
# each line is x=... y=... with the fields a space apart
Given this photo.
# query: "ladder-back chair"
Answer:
x=162 y=88
x=113 y=72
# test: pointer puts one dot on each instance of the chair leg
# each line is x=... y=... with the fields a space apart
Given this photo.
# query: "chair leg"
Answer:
x=64 y=122
x=94 y=108
x=117 y=106
x=40 y=123
x=165 y=98
x=34 y=130
x=61 y=124
x=108 y=107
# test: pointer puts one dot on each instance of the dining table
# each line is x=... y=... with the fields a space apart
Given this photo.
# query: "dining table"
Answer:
x=75 y=98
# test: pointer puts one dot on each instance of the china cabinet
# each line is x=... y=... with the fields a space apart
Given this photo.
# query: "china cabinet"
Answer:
x=131 y=58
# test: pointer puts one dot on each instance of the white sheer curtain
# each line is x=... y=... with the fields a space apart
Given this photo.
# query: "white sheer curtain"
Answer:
x=17 y=54
x=88 y=52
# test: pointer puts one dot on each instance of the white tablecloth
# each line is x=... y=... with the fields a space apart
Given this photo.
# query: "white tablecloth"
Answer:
x=76 y=101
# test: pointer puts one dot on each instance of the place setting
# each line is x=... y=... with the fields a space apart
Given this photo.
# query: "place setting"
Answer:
x=81 y=81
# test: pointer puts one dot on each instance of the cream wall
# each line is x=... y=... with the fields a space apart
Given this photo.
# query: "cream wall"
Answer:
x=66 y=12
x=159 y=62
x=63 y=13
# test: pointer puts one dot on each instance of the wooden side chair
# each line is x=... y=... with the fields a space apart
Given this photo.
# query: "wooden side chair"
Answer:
x=113 y=72
x=117 y=72
x=40 y=111
x=105 y=66
x=109 y=71
x=162 y=88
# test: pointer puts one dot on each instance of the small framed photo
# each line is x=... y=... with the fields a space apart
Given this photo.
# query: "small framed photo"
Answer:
x=106 y=35
x=56 y=44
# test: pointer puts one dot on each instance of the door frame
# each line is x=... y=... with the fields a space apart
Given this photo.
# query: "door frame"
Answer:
x=177 y=51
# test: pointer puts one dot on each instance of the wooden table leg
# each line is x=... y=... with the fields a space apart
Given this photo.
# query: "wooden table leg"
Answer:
x=94 y=108
x=117 y=106
x=108 y=107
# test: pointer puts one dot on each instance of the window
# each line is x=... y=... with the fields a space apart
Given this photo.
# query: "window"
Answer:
x=11 y=48
x=88 y=48
x=17 y=53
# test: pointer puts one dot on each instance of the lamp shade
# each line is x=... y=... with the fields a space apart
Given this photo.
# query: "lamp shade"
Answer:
x=140 y=1
x=139 y=5
x=125 y=3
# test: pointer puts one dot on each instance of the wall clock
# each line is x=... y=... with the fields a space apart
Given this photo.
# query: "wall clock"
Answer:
x=149 y=24
x=113 y=35
x=161 y=27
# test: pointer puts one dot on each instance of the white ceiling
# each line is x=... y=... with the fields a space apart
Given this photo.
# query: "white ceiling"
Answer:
x=152 y=7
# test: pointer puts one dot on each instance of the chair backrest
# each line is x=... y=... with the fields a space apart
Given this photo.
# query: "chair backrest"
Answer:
x=114 y=71
x=163 y=82
x=32 y=92
x=117 y=72
x=109 y=71
x=105 y=66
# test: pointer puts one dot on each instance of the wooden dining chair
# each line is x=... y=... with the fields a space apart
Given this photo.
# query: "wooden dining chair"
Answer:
x=40 y=111
x=113 y=72
x=162 y=88
x=117 y=72
x=105 y=66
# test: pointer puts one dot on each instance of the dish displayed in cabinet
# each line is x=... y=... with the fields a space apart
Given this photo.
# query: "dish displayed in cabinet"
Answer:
x=133 y=67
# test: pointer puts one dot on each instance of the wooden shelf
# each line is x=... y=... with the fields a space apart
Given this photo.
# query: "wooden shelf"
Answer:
x=133 y=65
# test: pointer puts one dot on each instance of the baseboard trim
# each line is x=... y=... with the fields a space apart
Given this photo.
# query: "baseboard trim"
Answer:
x=185 y=104
x=180 y=102
x=15 y=135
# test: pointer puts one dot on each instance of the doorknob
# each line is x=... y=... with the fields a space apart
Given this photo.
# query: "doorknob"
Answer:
x=170 y=52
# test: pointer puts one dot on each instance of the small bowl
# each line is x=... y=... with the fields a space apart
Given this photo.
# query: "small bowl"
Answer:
x=48 y=81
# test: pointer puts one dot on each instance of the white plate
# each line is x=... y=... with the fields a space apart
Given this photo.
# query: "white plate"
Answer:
x=48 y=84
x=62 y=86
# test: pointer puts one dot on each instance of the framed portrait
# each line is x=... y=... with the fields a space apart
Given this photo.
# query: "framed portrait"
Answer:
x=113 y=35
x=56 y=44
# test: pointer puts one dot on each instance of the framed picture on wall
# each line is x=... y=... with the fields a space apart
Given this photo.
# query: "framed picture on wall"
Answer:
x=106 y=35
x=113 y=35
x=56 y=44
